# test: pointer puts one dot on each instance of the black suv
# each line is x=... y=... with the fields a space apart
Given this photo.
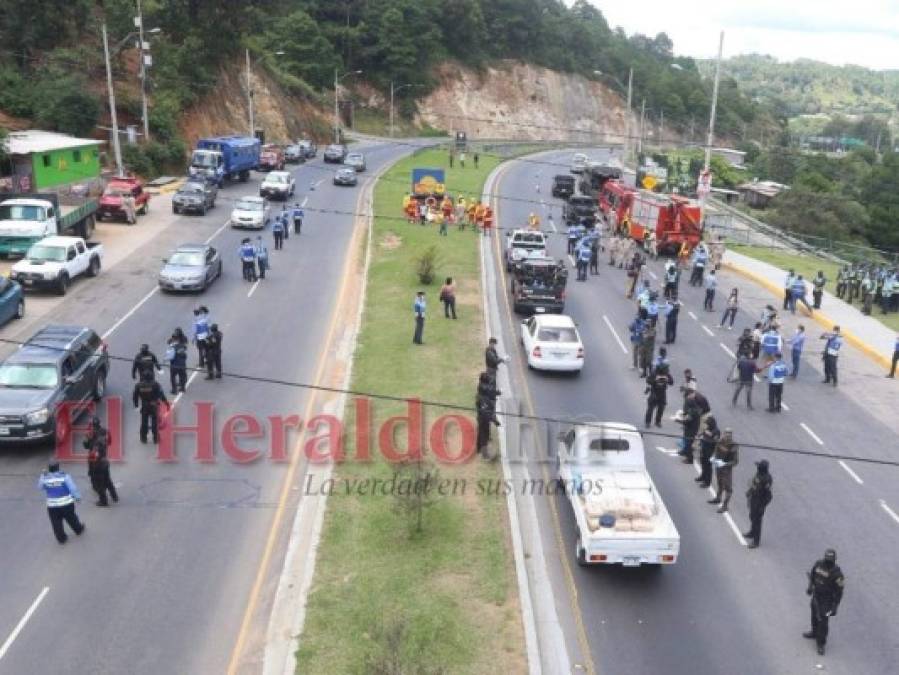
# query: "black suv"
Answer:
x=59 y=365
x=580 y=210
x=563 y=186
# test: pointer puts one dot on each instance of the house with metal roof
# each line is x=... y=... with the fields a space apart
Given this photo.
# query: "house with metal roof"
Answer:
x=44 y=160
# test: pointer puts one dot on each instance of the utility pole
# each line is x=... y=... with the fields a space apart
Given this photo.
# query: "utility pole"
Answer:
x=336 y=109
x=391 y=108
x=628 y=132
x=711 y=137
x=143 y=71
x=250 y=97
x=642 y=121
x=661 y=125
x=116 y=148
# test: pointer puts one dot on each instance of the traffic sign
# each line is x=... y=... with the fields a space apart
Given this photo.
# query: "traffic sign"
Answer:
x=649 y=182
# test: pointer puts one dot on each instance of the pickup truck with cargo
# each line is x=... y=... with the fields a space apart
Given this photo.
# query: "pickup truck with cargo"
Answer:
x=53 y=263
x=538 y=286
x=116 y=190
x=27 y=218
x=271 y=158
x=49 y=382
x=580 y=210
x=221 y=157
x=522 y=244
x=619 y=514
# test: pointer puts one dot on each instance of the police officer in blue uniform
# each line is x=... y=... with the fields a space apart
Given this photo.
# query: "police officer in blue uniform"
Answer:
x=831 y=354
x=777 y=374
x=201 y=329
x=247 y=255
x=278 y=233
x=297 y=215
x=285 y=221
x=62 y=493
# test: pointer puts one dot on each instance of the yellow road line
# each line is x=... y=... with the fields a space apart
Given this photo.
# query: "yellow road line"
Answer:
x=818 y=316
x=557 y=527
x=296 y=455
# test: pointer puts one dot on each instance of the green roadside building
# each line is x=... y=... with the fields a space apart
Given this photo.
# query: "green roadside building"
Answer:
x=41 y=161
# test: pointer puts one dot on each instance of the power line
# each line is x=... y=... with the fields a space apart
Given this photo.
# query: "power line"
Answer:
x=425 y=403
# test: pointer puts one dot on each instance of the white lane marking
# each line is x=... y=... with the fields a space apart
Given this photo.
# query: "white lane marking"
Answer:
x=552 y=224
x=811 y=433
x=130 y=312
x=571 y=258
x=727 y=350
x=706 y=329
x=190 y=379
x=692 y=316
x=670 y=453
x=217 y=232
x=756 y=378
x=883 y=505
x=614 y=333
x=253 y=289
x=652 y=274
x=852 y=473
x=19 y=626
x=318 y=182
x=736 y=530
x=784 y=406
x=305 y=199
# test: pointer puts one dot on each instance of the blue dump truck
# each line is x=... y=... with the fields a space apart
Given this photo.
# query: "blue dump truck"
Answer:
x=216 y=159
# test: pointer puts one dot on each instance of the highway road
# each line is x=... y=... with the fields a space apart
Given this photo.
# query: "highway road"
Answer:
x=160 y=582
x=722 y=608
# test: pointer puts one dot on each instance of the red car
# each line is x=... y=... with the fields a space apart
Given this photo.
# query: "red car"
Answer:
x=271 y=158
x=116 y=190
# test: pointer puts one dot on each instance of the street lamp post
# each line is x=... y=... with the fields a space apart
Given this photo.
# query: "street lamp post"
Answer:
x=711 y=137
x=393 y=91
x=252 y=119
x=337 y=80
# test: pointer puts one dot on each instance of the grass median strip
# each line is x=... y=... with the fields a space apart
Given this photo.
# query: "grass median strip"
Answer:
x=442 y=598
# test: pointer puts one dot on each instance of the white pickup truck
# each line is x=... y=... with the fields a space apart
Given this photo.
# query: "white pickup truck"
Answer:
x=523 y=244
x=620 y=516
x=54 y=261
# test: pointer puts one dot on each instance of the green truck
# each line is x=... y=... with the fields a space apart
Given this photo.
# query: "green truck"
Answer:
x=27 y=218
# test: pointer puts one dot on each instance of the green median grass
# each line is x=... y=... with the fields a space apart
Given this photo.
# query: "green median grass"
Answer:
x=386 y=598
x=808 y=267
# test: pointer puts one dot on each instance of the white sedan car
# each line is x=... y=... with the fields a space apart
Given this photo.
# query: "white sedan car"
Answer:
x=552 y=342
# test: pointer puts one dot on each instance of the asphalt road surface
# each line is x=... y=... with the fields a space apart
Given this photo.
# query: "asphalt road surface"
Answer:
x=159 y=582
x=722 y=608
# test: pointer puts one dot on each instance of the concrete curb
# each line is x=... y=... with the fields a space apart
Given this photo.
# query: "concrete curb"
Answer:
x=818 y=316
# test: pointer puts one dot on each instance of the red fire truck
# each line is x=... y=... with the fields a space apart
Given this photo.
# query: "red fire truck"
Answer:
x=615 y=200
x=673 y=218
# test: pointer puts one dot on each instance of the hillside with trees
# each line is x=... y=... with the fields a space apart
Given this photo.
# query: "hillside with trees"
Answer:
x=52 y=73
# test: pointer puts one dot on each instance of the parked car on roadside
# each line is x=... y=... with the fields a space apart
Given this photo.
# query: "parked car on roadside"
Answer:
x=309 y=148
x=116 y=190
x=335 y=154
x=54 y=261
x=293 y=154
x=346 y=176
x=355 y=160
x=191 y=267
x=195 y=196
x=12 y=300
x=49 y=382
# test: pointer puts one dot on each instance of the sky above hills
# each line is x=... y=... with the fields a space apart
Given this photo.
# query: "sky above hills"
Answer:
x=863 y=32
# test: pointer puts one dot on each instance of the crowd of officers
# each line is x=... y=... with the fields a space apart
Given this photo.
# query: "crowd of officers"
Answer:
x=871 y=285
x=254 y=256
x=718 y=453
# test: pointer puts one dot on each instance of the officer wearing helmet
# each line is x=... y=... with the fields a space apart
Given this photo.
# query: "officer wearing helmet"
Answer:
x=758 y=496
x=145 y=362
x=149 y=394
x=825 y=585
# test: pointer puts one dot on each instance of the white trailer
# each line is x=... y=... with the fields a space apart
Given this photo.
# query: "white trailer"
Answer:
x=620 y=516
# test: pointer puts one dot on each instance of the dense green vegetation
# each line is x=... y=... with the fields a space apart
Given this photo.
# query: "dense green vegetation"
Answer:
x=854 y=197
x=52 y=50
x=809 y=87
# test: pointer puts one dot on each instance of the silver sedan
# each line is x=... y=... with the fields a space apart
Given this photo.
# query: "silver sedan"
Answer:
x=191 y=267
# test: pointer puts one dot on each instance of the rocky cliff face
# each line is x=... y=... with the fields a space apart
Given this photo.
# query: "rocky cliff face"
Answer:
x=512 y=100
